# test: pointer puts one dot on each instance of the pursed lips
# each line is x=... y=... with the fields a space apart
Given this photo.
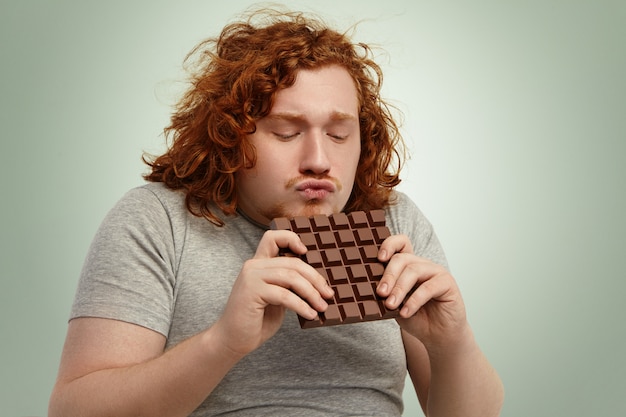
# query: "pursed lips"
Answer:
x=316 y=189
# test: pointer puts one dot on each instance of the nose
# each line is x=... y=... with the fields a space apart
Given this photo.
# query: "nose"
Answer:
x=315 y=154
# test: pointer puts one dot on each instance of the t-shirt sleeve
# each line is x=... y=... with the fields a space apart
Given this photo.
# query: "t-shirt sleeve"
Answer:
x=406 y=218
x=129 y=272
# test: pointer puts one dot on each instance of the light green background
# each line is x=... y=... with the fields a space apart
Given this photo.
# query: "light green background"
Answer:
x=515 y=112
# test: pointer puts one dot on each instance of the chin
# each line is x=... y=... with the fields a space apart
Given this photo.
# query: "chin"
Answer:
x=314 y=207
x=311 y=208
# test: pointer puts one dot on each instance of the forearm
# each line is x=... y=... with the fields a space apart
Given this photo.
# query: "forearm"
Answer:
x=173 y=384
x=463 y=383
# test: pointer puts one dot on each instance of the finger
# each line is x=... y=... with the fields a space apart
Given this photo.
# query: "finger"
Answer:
x=301 y=278
x=318 y=281
x=407 y=273
x=274 y=240
x=392 y=245
x=436 y=288
x=393 y=272
x=284 y=297
x=313 y=286
x=280 y=282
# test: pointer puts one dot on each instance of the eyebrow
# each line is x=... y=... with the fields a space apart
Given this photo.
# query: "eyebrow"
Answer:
x=298 y=117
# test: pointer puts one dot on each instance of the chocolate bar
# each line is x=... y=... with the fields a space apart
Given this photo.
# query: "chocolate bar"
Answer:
x=343 y=248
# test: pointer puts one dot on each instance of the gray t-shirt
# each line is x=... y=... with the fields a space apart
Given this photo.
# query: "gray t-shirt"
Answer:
x=154 y=264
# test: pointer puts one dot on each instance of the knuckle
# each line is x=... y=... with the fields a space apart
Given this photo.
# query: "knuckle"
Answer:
x=247 y=266
x=284 y=295
x=413 y=268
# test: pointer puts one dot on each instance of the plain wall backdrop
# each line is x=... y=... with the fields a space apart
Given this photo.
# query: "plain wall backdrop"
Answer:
x=514 y=112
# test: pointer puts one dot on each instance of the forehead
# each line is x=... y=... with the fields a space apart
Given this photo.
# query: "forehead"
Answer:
x=330 y=89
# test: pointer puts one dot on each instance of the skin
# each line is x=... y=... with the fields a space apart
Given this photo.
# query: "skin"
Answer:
x=307 y=153
x=307 y=149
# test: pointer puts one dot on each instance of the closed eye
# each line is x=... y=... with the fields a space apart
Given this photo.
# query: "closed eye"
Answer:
x=337 y=136
x=286 y=136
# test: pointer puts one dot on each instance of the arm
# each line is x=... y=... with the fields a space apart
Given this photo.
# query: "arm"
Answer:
x=110 y=367
x=450 y=373
x=459 y=382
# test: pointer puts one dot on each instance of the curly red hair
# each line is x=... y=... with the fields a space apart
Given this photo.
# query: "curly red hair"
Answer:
x=234 y=80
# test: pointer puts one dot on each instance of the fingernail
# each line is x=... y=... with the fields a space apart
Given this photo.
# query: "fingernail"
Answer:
x=329 y=291
x=383 y=288
x=382 y=255
x=391 y=300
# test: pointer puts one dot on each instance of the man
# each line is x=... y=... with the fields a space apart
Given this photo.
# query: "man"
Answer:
x=184 y=306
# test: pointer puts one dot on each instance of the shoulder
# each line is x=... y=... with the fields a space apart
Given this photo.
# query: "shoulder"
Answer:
x=150 y=200
x=403 y=215
x=155 y=193
x=146 y=211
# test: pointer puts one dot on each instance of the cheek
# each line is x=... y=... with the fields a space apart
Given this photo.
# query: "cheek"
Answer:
x=269 y=159
x=350 y=162
x=268 y=169
x=265 y=177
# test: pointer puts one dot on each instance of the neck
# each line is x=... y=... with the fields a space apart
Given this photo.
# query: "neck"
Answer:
x=251 y=220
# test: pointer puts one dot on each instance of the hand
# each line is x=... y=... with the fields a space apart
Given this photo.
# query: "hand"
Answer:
x=266 y=286
x=434 y=312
